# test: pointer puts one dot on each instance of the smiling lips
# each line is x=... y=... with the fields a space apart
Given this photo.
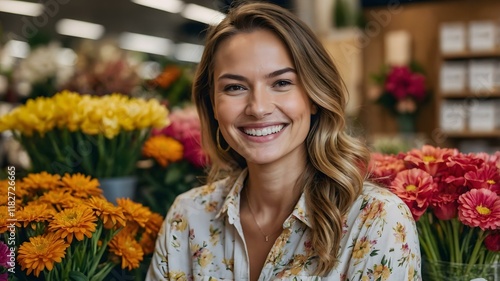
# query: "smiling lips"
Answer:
x=260 y=132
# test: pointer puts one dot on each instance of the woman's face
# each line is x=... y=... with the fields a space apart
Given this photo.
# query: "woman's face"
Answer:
x=263 y=111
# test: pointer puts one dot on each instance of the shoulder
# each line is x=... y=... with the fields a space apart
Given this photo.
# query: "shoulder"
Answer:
x=376 y=203
x=207 y=198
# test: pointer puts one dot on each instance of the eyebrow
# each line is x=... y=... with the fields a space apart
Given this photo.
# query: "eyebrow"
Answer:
x=270 y=75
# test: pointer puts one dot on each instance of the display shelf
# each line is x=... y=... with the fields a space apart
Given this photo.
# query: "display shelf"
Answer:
x=465 y=55
x=470 y=95
x=472 y=134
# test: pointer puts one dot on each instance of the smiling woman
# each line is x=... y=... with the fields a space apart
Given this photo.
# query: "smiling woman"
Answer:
x=286 y=196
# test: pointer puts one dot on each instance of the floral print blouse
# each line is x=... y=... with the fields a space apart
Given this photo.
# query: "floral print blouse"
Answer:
x=202 y=239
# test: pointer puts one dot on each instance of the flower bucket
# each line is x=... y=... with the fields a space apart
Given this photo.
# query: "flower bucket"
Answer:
x=441 y=270
x=119 y=187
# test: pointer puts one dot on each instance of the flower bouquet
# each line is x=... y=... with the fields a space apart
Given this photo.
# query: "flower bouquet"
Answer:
x=72 y=133
x=455 y=199
x=176 y=160
x=66 y=230
x=403 y=89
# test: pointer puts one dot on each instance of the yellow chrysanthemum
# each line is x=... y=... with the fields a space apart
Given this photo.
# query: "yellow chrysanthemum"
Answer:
x=40 y=182
x=111 y=215
x=81 y=186
x=41 y=252
x=59 y=199
x=34 y=213
x=77 y=222
x=123 y=245
x=134 y=212
x=163 y=149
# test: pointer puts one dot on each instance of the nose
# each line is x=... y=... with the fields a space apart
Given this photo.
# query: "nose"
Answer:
x=260 y=103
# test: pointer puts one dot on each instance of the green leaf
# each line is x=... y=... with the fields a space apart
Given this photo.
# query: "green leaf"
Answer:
x=77 y=276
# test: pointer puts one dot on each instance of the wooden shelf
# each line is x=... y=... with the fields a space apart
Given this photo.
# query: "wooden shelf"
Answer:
x=471 y=95
x=471 y=55
x=469 y=134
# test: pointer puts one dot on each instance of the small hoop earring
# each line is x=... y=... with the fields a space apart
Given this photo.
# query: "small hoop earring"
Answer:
x=218 y=142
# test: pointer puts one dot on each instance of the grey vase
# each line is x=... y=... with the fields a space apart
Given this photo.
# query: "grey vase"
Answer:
x=119 y=187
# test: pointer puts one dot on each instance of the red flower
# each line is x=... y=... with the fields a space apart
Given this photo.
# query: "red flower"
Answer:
x=487 y=177
x=402 y=83
x=384 y=168
x=446 y=211
x=492 y=241
x=415 y=187
x=480 y=208
x=430 y=159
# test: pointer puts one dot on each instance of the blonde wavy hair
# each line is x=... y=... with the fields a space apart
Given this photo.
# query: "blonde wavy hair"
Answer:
x=337 y=164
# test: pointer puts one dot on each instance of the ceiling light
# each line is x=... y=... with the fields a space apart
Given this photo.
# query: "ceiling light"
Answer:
x=189 y=52
x=21 y=8
x=79 y=29
x=17 y=49
x=145 y=43
x=202 y=14
x=171 y=6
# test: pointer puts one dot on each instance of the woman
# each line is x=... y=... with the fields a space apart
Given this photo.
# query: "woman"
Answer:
x=286 y=196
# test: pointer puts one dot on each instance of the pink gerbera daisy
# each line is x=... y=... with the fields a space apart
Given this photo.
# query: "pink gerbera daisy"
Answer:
x=385 y=167
x=487 y=177
x=430 y=159
x=480 y=208
x=415 y=187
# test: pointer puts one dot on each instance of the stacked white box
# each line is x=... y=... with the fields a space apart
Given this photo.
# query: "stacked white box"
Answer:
x=452 y=37
x=481 y=75
x=453 y=77
x=483 y=115
x=483 y=36
x=453 y=116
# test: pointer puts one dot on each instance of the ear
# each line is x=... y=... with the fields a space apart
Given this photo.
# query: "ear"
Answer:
x=314 y=108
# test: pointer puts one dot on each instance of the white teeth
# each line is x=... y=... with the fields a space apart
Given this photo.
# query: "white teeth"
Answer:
x=264 y=131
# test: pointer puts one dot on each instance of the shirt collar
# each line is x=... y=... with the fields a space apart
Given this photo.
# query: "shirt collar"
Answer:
x=231 y=205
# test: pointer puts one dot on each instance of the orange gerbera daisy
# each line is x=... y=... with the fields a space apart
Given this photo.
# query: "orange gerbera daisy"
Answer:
x=78 y=221
x=81 y=186
x=154 y=223
x=4 y=216
x=123 y=245
x=147 y=243
x=59 y=199
x=134 y=212
x=111 y=215
x=163 y=149
x=34 y=213
x=41 y=181
x=41 y=252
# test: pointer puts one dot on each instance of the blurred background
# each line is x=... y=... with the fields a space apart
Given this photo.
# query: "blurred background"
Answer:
x=418 y=72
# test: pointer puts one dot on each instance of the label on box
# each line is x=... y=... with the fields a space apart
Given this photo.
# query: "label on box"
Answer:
x=481 y=75
x=452 y=37
x=482 y=116
x=482 y=35
x=453 y=116
x=453 y=77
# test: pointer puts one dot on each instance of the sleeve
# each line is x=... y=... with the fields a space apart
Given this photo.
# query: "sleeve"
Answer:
x=387 y=247
x=172 y=259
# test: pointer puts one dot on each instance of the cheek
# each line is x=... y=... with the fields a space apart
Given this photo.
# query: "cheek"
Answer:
x=225 y=110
